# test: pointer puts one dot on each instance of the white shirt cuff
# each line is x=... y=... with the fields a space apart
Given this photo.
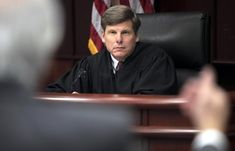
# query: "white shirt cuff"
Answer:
x=211 y=137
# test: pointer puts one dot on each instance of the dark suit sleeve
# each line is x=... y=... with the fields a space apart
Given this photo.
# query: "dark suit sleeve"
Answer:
x=157 y=77
x=75 y=79
x=208 y=148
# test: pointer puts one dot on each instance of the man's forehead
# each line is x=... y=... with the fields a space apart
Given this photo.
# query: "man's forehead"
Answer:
x=126 y=24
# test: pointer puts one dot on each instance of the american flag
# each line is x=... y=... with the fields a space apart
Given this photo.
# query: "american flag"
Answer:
x=99 y=7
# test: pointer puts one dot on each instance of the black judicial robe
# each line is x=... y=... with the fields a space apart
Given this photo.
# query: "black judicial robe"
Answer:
x=148 y=70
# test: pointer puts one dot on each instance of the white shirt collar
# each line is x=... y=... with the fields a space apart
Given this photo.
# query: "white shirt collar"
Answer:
x=114 y=62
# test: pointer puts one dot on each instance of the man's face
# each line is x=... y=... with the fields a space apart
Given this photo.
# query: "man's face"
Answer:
x=120 y=39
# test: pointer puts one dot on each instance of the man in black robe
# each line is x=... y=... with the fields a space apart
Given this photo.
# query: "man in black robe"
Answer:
x=146 y=68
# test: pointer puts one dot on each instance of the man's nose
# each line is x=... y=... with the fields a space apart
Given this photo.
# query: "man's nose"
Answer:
x=119 y=38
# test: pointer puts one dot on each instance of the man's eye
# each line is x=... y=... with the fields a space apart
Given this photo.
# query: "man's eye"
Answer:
x=112 y=32
x=125 y=32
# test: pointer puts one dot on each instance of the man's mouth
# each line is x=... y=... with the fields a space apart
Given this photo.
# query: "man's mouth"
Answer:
x=118 y=48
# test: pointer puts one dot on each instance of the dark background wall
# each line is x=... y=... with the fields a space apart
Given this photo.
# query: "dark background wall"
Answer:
x=78 y=16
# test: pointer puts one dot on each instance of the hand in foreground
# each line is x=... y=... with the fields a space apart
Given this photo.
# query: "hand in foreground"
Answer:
x=208 y=104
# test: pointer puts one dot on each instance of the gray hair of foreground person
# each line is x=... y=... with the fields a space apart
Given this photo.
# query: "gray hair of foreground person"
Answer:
x=118 y=14
x=30 y=31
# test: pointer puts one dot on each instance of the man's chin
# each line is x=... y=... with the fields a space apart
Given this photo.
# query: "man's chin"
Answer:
x=119 y=57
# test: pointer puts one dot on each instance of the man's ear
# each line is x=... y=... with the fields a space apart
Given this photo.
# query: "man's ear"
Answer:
x=102 y=36
x=137 y=39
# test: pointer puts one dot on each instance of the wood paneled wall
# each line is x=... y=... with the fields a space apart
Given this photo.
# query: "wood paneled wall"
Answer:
x=78 y=15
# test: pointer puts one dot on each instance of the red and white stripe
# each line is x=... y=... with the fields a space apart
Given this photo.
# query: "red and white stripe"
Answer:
x=99 y=7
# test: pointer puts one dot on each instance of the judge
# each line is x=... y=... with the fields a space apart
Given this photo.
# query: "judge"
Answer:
x=145 y=69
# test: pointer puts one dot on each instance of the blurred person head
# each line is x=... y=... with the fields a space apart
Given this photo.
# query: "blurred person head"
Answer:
x=120 y=26
x=30 y=31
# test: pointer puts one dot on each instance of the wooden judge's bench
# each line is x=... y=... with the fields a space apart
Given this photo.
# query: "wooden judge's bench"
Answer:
x=159 y=121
